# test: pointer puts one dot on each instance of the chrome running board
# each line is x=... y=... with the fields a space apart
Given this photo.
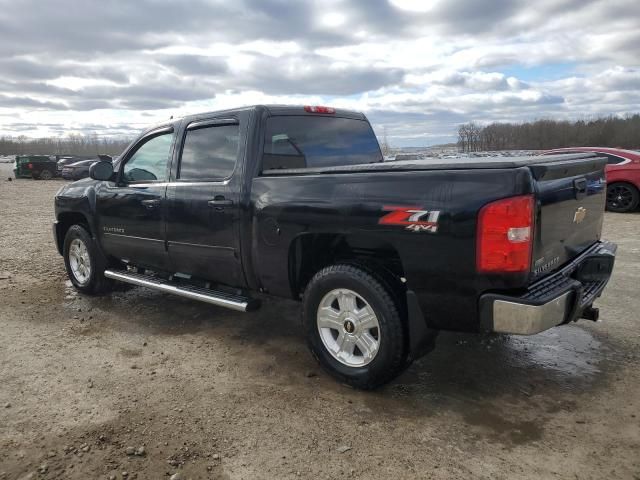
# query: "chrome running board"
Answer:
x=214 y=297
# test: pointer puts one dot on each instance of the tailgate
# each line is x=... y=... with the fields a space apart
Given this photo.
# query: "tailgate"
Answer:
x=571 y=197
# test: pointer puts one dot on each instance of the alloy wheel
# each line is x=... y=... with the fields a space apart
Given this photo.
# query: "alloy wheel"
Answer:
x=348 y=327
x=80 y=261
x=619 y=197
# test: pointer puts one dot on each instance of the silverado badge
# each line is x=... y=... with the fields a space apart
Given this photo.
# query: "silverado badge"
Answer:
x=412 y=218
x=578 y=217
x=112 y=229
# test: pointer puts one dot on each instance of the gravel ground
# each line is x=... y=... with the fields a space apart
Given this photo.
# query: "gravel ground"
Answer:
x=137 y=384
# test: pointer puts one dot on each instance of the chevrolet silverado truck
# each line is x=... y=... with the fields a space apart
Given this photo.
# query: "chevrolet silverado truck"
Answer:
x=296 y=202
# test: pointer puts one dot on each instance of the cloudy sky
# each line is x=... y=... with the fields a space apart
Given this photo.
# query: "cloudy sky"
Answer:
x=418 y=68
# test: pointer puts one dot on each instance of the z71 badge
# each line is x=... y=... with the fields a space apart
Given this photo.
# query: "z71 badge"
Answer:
x=412 y=218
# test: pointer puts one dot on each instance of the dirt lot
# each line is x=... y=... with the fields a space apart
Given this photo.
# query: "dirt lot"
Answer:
x=212 y=393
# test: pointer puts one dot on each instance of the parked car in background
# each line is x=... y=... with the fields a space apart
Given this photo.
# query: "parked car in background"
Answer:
x=41 y=167
x=64 y=160
x=622 y=172
x=79 y=170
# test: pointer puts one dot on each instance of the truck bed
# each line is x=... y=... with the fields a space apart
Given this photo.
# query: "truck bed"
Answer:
x=438 y=164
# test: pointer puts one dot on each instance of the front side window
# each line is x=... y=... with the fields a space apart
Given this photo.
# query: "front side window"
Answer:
x=318 y=141
x=210 y=152
x=149 y=161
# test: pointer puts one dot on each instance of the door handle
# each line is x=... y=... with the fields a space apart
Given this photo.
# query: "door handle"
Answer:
x=580 y=188
x=220 y=202
x=150 y=204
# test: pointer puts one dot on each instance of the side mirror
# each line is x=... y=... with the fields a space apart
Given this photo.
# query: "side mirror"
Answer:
x=101 y=171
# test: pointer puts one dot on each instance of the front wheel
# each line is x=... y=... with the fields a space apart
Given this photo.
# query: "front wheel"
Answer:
x=84 y=262
x=622 y=197
x=354 y=327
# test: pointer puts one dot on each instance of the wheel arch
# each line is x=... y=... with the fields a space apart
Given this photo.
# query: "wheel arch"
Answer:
x=627 y=181
x=65 y=221
x=310 y=252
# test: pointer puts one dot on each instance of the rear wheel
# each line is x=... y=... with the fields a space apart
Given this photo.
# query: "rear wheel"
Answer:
x=84 y=262
x=46 y=175
x=354 y=326
x=622 y=197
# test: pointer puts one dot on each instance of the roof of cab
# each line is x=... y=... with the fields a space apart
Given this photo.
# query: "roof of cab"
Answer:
x=272 y=110
x=300 y=110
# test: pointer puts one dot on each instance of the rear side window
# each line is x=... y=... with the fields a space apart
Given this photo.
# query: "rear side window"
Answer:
x=614 y=159
x=209 y=152
x=314 y=141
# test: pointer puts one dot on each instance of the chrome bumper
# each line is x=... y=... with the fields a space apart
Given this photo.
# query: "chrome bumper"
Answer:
x=562 y=297
x=522 y=319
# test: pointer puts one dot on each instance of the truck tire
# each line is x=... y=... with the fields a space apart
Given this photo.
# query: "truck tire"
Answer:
x=354 y=327
x=85 y=262
x=622 y=197
x=46 y=174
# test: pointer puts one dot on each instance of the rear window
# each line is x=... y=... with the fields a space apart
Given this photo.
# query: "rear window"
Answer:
x=314 y=141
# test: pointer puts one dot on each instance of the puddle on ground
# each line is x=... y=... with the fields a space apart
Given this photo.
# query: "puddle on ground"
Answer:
x=499 y=428
x=566 y=358
x=499 y=384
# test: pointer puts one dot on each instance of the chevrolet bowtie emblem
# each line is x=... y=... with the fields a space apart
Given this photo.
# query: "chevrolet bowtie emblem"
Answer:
x=578 y=217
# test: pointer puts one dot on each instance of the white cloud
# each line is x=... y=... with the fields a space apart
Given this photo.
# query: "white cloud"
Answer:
x=415 y=5
x=332 y=19
x=416 y=67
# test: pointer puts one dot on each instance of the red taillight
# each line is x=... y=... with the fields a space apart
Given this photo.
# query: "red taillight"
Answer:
x=505 y=235
x=30 y=166
x=317 y=109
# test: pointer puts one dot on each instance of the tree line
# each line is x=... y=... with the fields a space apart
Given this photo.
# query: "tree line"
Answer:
x=547 y=134
x=71 y=144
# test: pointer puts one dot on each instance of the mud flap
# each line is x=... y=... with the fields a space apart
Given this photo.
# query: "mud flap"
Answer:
x=422 y=339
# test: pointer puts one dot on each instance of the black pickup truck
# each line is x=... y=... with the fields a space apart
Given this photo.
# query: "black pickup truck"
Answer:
x=297 y=202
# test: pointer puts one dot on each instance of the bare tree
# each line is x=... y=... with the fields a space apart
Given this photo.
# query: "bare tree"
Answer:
x=384 y=143
x=72 y=144
x=612 y=131
x=469 y=137
x=462 y=137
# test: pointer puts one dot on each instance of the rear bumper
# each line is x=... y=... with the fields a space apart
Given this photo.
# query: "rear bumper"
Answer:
x=562 y=297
